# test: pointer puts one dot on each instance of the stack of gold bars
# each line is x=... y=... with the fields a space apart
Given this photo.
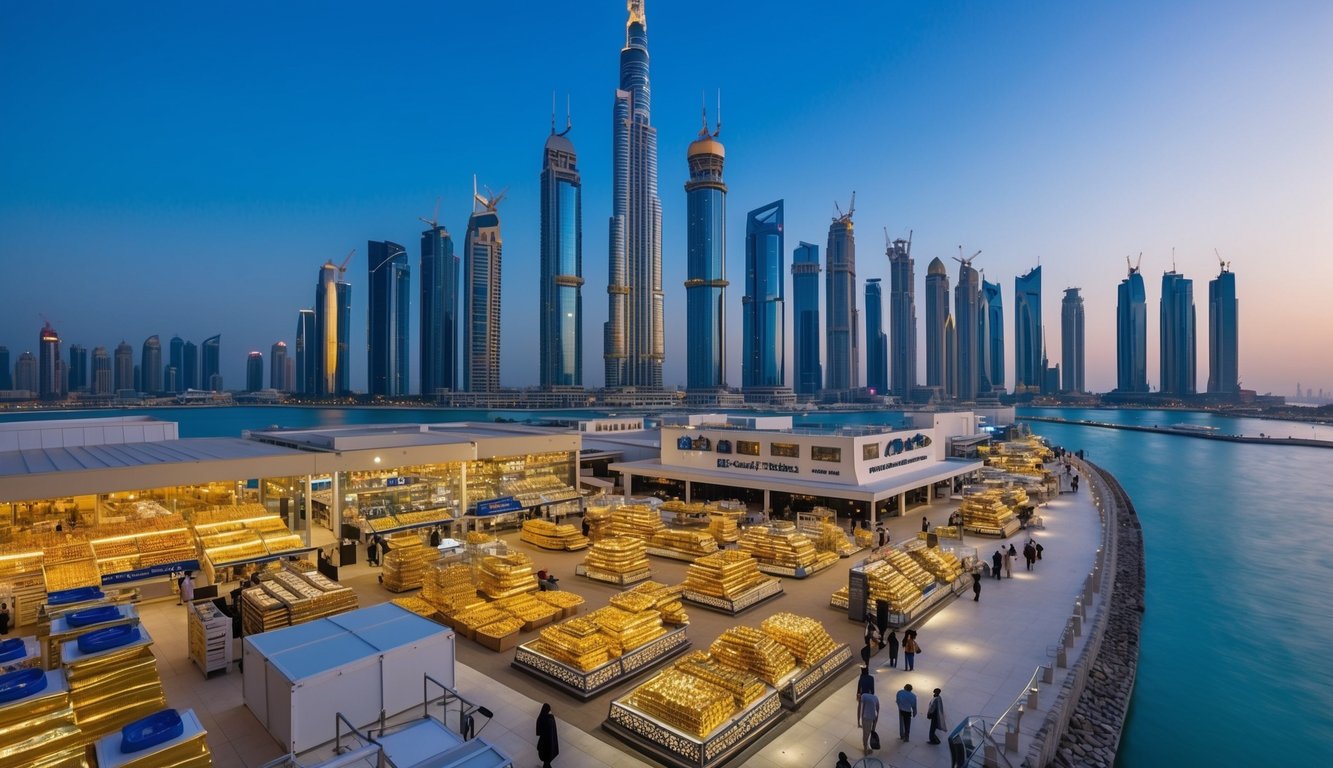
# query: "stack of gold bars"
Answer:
x=627 y=630
x=726 y=574
x=909 y=568
x=548 y=535
x=744 y=687
x=530 y=612
x=416 y=605
x=567 y=602
x=405 y=563
x=865 y=538
x=449 y=588
x=696 y=542
x=635 y=520
x=684 y=702
x=72 y=574
x=598 y=517
x=40 y=729
x=469 y=621
x=723 y=525
x=833 y=539
x=750 y=650
x=986 y=510
x=780 y=544
x=491 y=634
x=114 y=688
x=888 y=584
x=618 y=556
x=651 y=595
x=261 y=611
x=504 y=575
x=803 y=636
x=578 y=642
x=944 y=566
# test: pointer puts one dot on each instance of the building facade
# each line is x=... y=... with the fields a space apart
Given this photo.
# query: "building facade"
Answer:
x=78 y=369
x=210 y=363
x=439 y=312
x=49 y=384
x=176 y=359
x=634 y=339
x=277 y=372
x=1131 y=334
x=6 y=373
x=254 y=371
x=150 y=366
x=103 y=381
x=902 y=319
x=706 y=265
x=482 y=249
x=763 y=308
x=1223 y=334
x=26 y=378
x=124 y=367
x=327 y=351
x=306 y=353
x=1178 y=372
x=561 y=292
x=388 y=312
x=842 y=343
x=937 y=319
x=877 y=342
x=967 y=330
x=1071 y=341
x=992 y=337
x=805 y=312
x=1029 y=371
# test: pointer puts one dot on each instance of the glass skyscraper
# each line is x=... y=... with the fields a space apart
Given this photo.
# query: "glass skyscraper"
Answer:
x=190 y=376
x=254 y=371
x=805 y=312
x=1029 y=372
x=307 y=354
x=561 y=263
x=842 y=344
x=439 y=311
x=967 y=329
x=482 y=249
x=176 y=359
x=1071 y=341
x=1131 y=334
x=327 y=351
x=937 y=318
x=633 y=335
x=49 y=385
x=388 y=308
x=1223 y=344
x=78 y=369
x=6 y=376
x=342 y=378
x=902 y=319
x=103 y=382
x=124 y=367
x=277 y=370
x=992 y=336
x=763 y=320
x=1177 y=335
x=706 y=265
x=210 y=363
x=877 y=342
x=150 y=365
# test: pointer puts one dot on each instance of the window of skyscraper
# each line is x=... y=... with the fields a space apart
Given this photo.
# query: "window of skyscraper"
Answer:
x=785 y=450
x=747 y=447
x=870 y=451
x=824 y=453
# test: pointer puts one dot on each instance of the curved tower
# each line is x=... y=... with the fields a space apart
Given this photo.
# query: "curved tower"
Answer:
x=634 y=344
x=763 y=360
x=561 y=263
x=706 y=262
x=1029 y=370
x=937 y=316
x=1131 y=337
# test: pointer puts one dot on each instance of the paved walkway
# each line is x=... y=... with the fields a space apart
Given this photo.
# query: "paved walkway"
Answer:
x=980 y=654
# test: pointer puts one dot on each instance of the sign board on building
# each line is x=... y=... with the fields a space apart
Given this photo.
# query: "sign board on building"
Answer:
x=497 y=506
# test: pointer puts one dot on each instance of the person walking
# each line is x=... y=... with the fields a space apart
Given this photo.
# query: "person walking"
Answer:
x=996 y=560
x=892 y=642
x=882 y=535
x=910 y=650
x=866 y=653
x=373 y=550
x=1029 y=553
x=872 y=632
x=935 y=713
x=906 y=711
x=867 y=716
x=925 y=524
x=4 y=618
x=1037 y=547
x=976 y=586
x=865 y=683
x=187 y=588
x=1009 y=562
x=548 y=744
x=843 y=762
x=882 y=624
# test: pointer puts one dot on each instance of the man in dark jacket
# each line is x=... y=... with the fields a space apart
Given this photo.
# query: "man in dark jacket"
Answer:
x=997 y=560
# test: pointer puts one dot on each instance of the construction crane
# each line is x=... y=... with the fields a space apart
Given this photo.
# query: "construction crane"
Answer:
x=1225 y=265
x=342 y=269
x=968 y=261
x=434 y=221
x=851 y=209
x=1134 y=267
x=488 y=201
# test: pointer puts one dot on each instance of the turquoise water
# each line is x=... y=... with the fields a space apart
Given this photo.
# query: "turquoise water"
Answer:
x=1235 y=666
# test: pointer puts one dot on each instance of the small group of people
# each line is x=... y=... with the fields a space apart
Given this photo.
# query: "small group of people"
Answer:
x=888 y=638
x=881 y=535
x=867 y=714
x=1002 y=561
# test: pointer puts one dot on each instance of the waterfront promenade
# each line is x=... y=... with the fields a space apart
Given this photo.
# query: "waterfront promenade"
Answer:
x=981 y=654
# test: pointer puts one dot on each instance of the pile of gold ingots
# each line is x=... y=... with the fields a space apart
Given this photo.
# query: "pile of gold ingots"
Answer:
x=405 y=563
x=782 y=545
x=578 y=642
x=115 y=689
x=449 y=588
x=635 y=520
x=688 y=542
x=750 y=650
x=598 y=518
x=478 y=537
x=504 y=575
x=567 y=602
x=72 y=574
x=626 y=630
x=744 y=687
x=864 y=537
x=684 y=701
x=653 y=596
x=548 y=535
x=986 y=510
x=888 y=584
x=723 y=525
x=833 y=539
x=528 y=609
x=41 y=730
x=1014 y=496
x=415 y=605
x=261 y=612
x=803 y=636
x=501 y=628
x=618 y=556
x=471 y=620
x=909 y=568
x=726 y=574
x=944 y=566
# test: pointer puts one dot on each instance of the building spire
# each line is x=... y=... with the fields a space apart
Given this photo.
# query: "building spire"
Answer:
x=635 y=8
x=718 y=132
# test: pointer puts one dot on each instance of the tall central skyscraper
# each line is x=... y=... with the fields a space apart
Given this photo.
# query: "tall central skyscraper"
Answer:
x=902 y=319
x=277 y=377
x=938 y=362
x=991 y=336
x=561 y=263
x=189 y=354
x=176 y=359
x=706 y=264
x=877 y=342
x=210 y=363
x=328 y=353
x=124 y=367
x=967 y=325
x=805 y=312
x=842 y=343
x=763 y=357
x=634 y=343
x=150 y=365
x=1029 y=371
x=49 y=386
x=78 y=368
x=389 y=306
x=1131 y=334
x=439 y=311
x=1177 y=348
x=482 y=248
x=1223 y=344
x=103 y=382
x=307 y=355
x=1071 y=341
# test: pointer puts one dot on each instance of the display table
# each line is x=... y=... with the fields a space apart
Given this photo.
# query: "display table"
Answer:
x=110 y=687
x=678 y=748
x=357 y=664
x=585 y=685
x=806 y=680
x=61 y=630
x=761 y=593
x=618 y=579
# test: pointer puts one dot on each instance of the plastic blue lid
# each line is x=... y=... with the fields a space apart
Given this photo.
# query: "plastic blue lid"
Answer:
x=146 y=732
x=20 y=684
x=106 y=639
x=13 y=648
x=90 y=616
x=74 y=595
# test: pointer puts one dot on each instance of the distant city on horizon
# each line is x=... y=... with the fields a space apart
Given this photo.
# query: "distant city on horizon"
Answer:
x=841 y=353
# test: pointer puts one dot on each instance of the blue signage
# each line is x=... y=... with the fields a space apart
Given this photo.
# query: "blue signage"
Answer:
x=684 y=443
x=161 y=569
x=724 y=446
x=497 y=506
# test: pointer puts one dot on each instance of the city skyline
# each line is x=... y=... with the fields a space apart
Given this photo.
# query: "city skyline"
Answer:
x=269 y=214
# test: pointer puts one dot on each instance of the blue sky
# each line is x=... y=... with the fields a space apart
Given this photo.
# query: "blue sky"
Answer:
x=183 y=168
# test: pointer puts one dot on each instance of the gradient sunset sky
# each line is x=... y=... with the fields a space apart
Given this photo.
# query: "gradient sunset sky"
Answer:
x=184 y=168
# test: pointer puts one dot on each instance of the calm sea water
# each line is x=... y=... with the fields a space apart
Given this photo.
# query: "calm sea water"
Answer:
x=1235 y=667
